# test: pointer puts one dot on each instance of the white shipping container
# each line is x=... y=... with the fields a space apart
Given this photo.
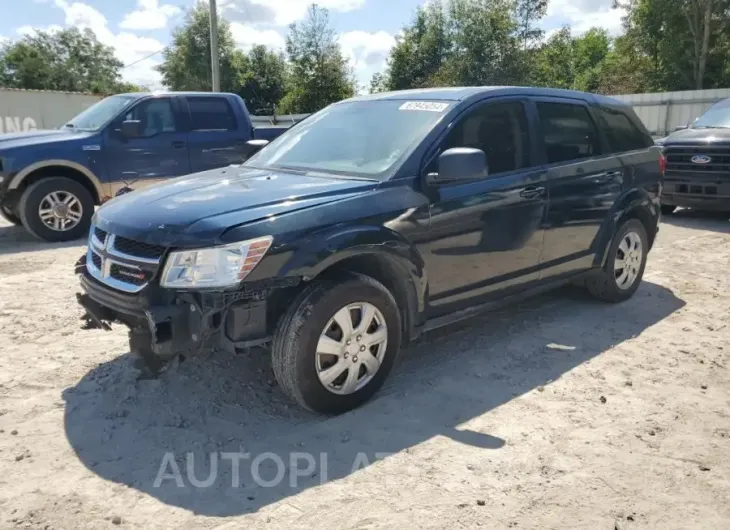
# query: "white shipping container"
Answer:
x=28 y=110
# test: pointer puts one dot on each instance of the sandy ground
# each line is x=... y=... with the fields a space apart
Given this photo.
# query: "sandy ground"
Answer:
x=559 y=413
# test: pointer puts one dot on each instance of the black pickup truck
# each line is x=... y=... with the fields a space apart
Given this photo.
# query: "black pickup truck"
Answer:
x=372 y=221
x=698 y=163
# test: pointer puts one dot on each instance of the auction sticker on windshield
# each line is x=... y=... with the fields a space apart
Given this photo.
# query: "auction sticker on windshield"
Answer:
x=430 y=106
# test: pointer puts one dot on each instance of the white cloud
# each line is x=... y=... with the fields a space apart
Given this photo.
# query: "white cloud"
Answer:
x=247 y=36
x=367 y=52
x=280 y=12
x=129 y=47
x=583 y=15
x=150 y=14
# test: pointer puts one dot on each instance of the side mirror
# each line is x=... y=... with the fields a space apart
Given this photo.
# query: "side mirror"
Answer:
x=131 y=128
x=254 y=146
x=459 y=163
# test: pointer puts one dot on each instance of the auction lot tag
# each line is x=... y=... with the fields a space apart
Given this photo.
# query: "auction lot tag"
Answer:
x=429 y=106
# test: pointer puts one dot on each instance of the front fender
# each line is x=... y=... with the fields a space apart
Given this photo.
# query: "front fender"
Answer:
x=637 y=203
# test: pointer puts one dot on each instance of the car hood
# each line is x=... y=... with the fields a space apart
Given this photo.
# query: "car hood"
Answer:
x=196 y=210
x=698 y=136
x=33 y=138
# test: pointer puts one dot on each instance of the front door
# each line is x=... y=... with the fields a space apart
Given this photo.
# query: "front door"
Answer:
x=584 y=184
x=159 y=153
x=486 y=236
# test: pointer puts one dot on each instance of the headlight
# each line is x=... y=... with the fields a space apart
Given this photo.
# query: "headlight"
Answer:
x=214 y=267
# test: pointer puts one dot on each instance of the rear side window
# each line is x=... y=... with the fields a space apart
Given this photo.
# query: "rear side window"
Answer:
x=211 y=114
x=623 y=135
x=568 y=132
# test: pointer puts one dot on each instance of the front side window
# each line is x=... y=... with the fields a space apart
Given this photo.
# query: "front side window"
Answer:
x=155 y=116
x=500 y=130
x=211 y=114
x=568 y=132
x=359 y=138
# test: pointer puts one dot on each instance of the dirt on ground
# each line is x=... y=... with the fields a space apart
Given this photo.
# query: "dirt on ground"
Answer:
x=561 y=412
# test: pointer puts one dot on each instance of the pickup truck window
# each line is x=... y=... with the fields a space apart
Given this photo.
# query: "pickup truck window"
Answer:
x=99 y=114
x=156 y=116
x=358 y=138
x=568 y=132
x=621 y=132
x=211 y=114
x=500 y=130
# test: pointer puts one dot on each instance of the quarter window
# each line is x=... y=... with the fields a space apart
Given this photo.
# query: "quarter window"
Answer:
x=568 y=132
x=211 y=114
x=623 y=135
x=500 y=130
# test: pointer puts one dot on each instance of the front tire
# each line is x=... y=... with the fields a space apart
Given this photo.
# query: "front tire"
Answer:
x=337 y=343
x=56 y=209
x=625 y=264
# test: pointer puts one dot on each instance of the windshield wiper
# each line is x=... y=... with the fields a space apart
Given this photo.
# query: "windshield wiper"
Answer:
x=711 y=127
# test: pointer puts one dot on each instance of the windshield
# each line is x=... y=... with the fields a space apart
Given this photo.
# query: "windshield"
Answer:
x=100 y=113
x=358 y=138
x=717 y=117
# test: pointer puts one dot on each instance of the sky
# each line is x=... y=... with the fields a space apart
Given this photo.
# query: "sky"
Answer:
x=366 y=29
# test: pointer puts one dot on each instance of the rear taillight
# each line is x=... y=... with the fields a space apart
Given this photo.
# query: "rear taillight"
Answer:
x=662 y=164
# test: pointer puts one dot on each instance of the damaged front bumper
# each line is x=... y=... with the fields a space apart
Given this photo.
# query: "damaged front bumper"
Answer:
x=164 y=323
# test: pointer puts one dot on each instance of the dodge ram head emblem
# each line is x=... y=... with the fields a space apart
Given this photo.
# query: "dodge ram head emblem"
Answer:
x=701 y=159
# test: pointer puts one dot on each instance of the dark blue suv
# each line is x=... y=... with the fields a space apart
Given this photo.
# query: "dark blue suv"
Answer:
x=372 y=221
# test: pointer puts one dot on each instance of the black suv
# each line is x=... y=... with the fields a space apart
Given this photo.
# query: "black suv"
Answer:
x=698 y=163
x=372 y=221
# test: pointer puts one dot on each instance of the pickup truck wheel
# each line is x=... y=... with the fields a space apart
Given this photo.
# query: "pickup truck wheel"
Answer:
x=337 y=343
x=624 y=269
x=8 y=214
x=668 y=209
x=56 y=209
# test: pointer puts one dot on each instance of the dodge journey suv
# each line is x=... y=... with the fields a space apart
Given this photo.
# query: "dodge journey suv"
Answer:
x=372 y=221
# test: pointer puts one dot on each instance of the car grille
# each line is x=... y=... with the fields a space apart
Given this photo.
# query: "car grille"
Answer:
x=679 y=160
x=121 y=263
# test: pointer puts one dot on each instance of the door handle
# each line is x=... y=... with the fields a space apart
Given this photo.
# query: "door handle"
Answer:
x=609 y=176
x=178 y=144
x=533 y=192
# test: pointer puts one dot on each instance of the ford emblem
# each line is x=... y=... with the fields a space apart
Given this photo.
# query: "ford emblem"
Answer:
x=701 y=159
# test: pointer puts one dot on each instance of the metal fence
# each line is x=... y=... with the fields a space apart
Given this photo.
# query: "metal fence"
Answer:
x=663 y=112
x=28 y=110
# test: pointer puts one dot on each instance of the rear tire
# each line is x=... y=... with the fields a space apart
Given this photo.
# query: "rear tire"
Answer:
x=44 y=203
x=9 y=215
x=341 y=381
x=668 y=209
x=625 y=264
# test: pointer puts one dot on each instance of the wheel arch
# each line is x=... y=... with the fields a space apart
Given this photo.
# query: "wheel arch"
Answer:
x=375 y=252
x=636 y=204
x=59 y=168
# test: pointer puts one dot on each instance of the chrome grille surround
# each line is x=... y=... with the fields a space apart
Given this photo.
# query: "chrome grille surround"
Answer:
x=118 y=268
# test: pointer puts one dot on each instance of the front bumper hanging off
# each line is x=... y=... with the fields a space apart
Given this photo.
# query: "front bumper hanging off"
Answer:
x=164 y=323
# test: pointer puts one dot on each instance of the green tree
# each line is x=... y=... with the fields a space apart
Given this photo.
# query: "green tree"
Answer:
x=589 y=53
x=264 y=80
x=69 y=60
x=320 y=75
x=554 y=64
x=378 y=83
x=186 y=64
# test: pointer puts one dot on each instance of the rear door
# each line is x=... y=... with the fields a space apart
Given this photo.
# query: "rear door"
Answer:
x=584 y=182
x=159 y=153
x=214 y=138
x=486 y=236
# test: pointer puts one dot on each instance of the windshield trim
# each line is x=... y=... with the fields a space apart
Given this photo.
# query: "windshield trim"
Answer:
x=383 y=176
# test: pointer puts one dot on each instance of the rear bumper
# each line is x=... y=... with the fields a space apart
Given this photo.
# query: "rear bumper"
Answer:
x=702 y=193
